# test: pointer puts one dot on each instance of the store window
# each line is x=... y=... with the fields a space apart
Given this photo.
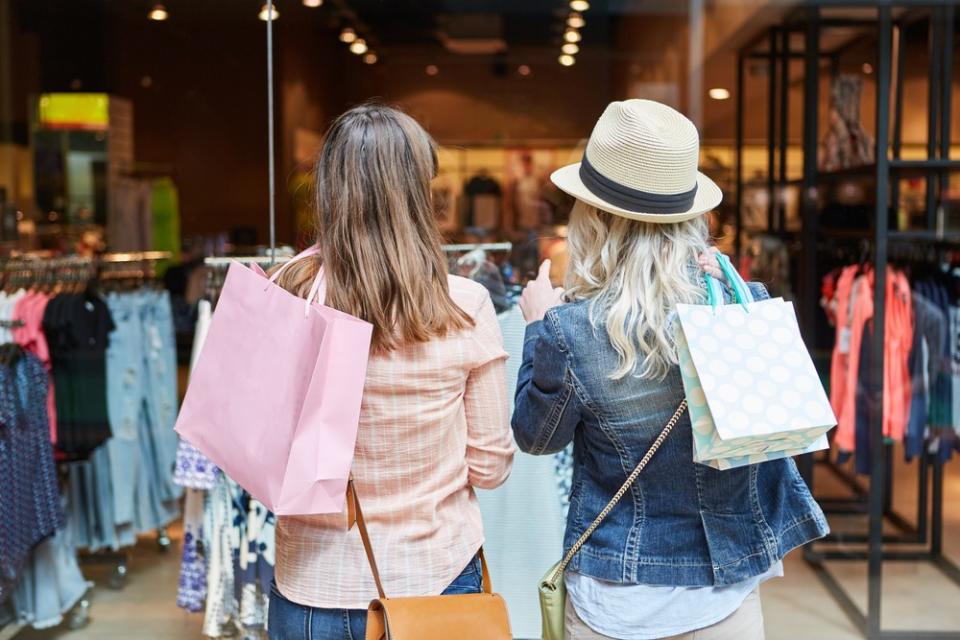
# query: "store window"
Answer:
x=145 y=145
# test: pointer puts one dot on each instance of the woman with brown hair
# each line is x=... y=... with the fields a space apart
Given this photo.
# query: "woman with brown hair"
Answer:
x=434 y=420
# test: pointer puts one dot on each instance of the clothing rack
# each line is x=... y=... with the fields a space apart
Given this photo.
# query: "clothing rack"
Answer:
x=776 y=47
x=224 y=261
x=42 y=267
x=482 y=246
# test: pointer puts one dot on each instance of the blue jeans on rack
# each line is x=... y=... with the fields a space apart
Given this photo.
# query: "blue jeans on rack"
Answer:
x=292 y=621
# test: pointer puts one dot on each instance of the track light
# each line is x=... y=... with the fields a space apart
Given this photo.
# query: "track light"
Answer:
x=158 y=13
x=348 y=35
x=570 y=48
x=579 y=5
x=269 y=12
x=358 y=46
x=571 y=35
x=567 y=60
x=575 y=20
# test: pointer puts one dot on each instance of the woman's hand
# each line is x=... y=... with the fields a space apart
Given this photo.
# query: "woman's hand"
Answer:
x=710 y=265
x=540 y=295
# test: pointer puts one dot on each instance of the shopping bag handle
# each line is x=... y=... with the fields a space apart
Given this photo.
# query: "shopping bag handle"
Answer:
x=318 y=290
x=741 y=292
x=309 y=251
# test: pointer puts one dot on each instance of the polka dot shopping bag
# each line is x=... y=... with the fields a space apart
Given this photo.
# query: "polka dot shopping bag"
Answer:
x=752 y=390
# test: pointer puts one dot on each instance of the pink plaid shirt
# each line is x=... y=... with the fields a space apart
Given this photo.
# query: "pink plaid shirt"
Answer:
x=434 y=424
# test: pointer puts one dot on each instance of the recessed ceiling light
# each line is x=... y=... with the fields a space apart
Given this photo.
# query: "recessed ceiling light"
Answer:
x=524 y=70
x=358 y=46
x=570 y=48
x=348 y=35
x=571 y=35
x=576 y=20
x=313 y=4
x=158 y=13
x=370 y=58
x=432 y=69
x=567 y=60
x=579 y=5
x=718 y=93
x=272 y=15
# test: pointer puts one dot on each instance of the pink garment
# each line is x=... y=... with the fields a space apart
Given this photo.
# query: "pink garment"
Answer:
x=898 y=337
x=434 y=424
x=841 y=357
x=29 y=310
x=861 y=310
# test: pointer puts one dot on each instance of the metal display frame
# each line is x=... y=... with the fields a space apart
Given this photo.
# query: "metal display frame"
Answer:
x=925 y=536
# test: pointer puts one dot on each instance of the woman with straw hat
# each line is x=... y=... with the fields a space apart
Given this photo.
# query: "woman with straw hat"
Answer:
x=684 y=551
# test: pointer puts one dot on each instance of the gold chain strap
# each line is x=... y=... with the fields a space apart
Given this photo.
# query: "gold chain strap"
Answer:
x=616 y=498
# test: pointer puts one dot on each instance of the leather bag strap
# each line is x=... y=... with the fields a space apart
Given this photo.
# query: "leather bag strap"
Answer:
x=558 y=572
x=355 y=516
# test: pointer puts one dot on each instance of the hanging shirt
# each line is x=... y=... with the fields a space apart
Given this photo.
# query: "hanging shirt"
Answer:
x=29 y=335
x=77 y=328
x=30 y=508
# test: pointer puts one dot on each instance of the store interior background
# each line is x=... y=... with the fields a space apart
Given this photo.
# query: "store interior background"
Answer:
x=485 y=79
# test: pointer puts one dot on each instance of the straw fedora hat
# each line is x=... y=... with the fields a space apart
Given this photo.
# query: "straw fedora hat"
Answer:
x=641 y=163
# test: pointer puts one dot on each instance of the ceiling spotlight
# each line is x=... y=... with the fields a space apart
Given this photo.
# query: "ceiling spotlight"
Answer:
x=268 y=12
x=579 y=5
x=576 y=21
x=358 y=46
x=313 y=4
x=571 y=35
x=718 y=93
x=524 y=70
x=867 y=68
x=370 y=58
x=348 y=35
x=567 y=60
x=432 y=69
x=570 y=48
x=158 y=13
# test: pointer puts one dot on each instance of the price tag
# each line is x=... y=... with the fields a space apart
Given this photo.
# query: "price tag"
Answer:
x=844 y=340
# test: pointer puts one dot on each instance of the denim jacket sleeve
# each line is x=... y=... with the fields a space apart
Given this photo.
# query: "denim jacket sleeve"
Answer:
x=547 y=410
x=759 y=291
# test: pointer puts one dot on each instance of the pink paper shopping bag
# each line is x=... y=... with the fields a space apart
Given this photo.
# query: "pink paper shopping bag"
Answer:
x=274 y=399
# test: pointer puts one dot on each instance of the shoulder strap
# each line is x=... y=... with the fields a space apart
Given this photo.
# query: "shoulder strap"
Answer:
x=355 y=515
x=558 y=572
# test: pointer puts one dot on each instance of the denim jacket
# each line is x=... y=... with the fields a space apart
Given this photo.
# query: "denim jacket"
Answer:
x=682 y=523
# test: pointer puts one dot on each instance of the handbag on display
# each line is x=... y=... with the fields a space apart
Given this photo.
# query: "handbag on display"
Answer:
x=753 y=391
x=473 y=616
x=553 y=590
x=274 y=398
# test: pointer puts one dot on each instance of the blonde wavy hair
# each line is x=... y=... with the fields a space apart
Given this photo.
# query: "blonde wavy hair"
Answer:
x=634 y=274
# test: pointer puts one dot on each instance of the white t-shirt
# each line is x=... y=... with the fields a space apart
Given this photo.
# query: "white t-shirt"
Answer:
x=642 y=612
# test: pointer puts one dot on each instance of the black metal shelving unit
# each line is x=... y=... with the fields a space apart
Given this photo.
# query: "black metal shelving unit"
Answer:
x=922 y=539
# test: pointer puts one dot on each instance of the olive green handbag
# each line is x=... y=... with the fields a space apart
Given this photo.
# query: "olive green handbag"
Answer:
x=553 y=592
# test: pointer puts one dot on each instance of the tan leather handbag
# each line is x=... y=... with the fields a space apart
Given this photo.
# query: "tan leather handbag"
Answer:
x=477 y=616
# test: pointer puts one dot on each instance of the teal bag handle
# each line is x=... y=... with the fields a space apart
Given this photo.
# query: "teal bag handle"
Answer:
x=741 y=292
x=740 y=288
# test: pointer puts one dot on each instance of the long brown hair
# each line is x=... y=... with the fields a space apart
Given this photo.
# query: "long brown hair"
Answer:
x=376 y=229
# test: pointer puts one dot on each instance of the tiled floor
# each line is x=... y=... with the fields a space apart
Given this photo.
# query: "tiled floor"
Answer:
x=795 y=607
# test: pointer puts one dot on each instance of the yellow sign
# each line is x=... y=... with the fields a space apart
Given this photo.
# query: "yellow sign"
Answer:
x=86 y=111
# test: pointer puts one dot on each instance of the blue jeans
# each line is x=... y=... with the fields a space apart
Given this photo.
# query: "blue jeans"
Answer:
x=292 y=621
